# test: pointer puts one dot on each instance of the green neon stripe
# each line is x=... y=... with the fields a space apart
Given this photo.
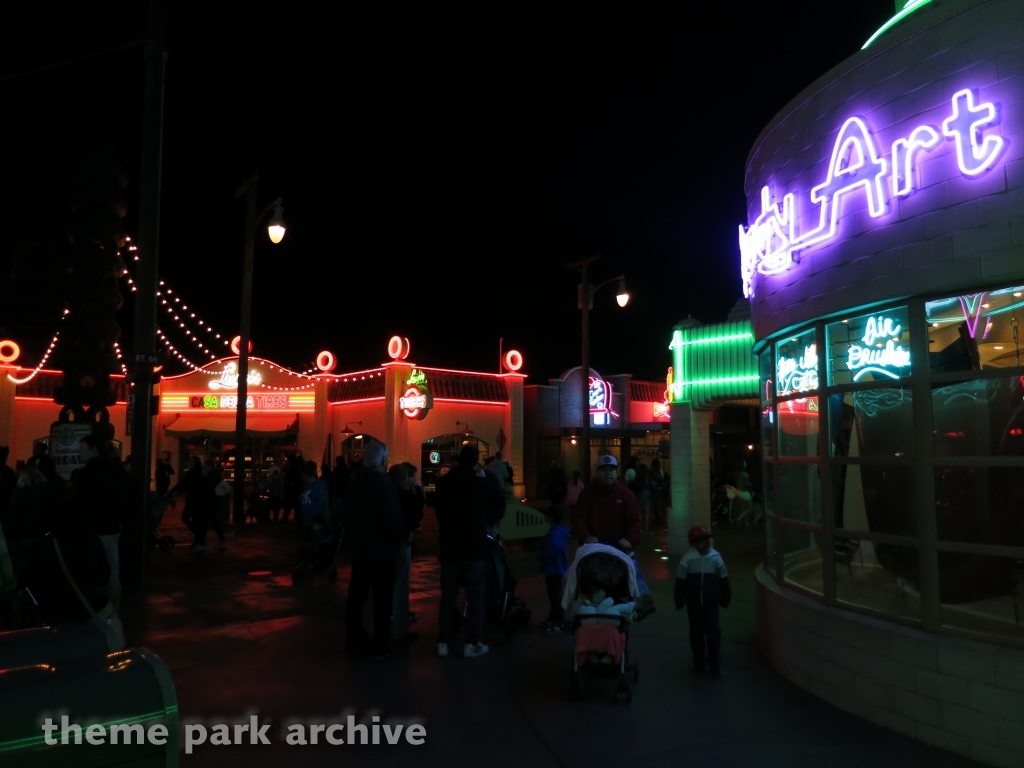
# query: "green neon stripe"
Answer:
x=717 y=338
x=898 y=17
x=40 y=740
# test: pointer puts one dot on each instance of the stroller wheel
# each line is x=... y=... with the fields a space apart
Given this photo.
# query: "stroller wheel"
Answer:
x=166 y=543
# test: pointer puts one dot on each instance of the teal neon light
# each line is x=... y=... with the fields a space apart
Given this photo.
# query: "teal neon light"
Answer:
x=726 y=380
x=680 y=342
x=912 y=6
x=713 y=364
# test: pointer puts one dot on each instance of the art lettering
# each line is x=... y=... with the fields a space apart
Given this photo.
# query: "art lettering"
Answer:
x=772 y=243
x=799 y=374
x=880 y=353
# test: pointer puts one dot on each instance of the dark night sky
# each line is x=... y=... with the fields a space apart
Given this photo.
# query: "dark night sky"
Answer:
x=438 y=166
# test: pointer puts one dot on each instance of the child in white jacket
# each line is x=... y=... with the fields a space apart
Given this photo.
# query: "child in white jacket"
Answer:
x=702 y=585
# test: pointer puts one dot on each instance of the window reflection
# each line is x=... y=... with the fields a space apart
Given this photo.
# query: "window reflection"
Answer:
x=884 y=421
x=975 y=331
x=881 y=577
x=981 y=417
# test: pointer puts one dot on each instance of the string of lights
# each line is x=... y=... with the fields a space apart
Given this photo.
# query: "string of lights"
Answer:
x=176 y=353
x=46 y=356
x=120 y=357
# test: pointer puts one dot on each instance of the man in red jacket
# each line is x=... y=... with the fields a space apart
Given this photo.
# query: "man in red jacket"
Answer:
x=607 y=512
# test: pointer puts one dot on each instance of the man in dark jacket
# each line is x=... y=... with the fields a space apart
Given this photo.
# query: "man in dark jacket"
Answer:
x=375 y=530
x=100 y=495
x=468 y=501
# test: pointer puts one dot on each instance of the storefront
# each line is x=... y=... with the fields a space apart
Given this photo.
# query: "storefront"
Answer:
x=629 y=418
x=884 y=258
x=424 y=415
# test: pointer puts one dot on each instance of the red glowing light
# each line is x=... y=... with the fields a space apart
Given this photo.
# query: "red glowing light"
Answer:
x=236 y=345
x=513 y=360
x=326 y=361
x=9 y=351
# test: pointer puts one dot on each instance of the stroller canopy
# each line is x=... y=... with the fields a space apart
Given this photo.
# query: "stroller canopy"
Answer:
x=599 y=564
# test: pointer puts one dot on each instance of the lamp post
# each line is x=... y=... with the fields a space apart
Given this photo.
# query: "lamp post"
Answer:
x=275 y=230
x=586 y=297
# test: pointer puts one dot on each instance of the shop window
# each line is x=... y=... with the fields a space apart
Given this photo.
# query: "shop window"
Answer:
x=800 y=492
x=872 y=347
x=802 y=557
x=798 y=427
x=765 y=365
x=873 y=497
x=975 y=331
x=872 y=423
x=767 y=431
x=980 y=505
x=982 y=593
x=981 y=417
x=769 y=544
x=882 y=577
x=796 y=364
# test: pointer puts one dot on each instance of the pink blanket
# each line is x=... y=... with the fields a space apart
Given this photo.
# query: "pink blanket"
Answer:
x=599 y=639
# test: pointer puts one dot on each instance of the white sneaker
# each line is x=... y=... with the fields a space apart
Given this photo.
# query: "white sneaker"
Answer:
x=198 y=548
x=475 y=649
x=442 y=649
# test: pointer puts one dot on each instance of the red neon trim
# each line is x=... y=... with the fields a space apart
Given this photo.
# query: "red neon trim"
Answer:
x=477 y=402
x=471 y=373
x=362 y=400
x=346 y=375
x=50 y=399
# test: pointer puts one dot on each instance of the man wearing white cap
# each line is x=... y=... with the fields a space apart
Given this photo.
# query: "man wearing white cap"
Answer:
x=607 y=512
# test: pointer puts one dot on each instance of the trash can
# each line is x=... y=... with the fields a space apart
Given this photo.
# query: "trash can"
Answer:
x=40 y=645
x=116 y=700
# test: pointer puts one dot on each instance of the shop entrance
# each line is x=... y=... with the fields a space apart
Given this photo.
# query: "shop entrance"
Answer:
x=220 y=448
x=352 y=448
x=441 y=453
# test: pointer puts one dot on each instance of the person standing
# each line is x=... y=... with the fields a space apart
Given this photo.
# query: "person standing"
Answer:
x=555 y=484
x=607 y=513
x=274 y=486
x=411 y=498
x=164 y=472
x=554 y=562
x=702 y=585
x=499 y=469
x=375 y=530
x=575 y=486
x=468 y=501
x=293 y=488
x=314 y=502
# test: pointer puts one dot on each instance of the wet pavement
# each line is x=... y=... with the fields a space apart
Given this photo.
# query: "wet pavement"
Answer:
x=239 y=638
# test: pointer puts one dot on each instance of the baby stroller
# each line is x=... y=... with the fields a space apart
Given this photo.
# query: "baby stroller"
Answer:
x=156 y=504
x=501 y=606
x=601 y=595
x=320 y=552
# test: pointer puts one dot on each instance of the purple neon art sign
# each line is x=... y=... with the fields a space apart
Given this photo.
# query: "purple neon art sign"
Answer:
x=771 y=244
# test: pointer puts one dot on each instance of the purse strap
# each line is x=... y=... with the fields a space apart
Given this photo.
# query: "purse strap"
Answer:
x=72 y=582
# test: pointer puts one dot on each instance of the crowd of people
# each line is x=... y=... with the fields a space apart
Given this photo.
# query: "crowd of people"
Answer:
x=60 y=540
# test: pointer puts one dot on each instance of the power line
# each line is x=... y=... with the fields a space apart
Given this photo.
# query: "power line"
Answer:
x=125 y=46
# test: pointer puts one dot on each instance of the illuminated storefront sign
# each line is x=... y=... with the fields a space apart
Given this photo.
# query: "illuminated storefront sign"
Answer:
x=229 y=378
x=873 y=357
x=417 y=400
x=799 y=374
x=215 y=403
x=771 y=244
x=601 y=401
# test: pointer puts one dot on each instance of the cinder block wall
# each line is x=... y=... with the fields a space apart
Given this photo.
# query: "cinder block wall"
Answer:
x=953 y=232
x=959 y=695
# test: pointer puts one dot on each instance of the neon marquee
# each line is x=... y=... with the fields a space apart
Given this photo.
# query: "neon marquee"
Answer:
x=229 y=378
x=799 y=374
x=601 y=396
x=417 y=400
x=771 y=245
x=873 y=357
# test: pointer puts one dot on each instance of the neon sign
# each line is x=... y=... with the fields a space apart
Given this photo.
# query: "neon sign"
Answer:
x=435 y=457
x=771 y=244
x=417 y=400
x=799 y=374
x=230 y=402
x=875 y=358
x=601 y=401
x=229 y=378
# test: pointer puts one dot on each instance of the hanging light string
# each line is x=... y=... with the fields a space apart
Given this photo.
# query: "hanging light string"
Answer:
x=46 y=355
x=174 y=351
x=120 y=357
x=173 y=305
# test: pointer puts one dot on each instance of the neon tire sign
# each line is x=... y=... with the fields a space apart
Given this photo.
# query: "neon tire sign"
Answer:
x=513 y=360
x=9 y=351
x=326 y=361
x=398 y=348
x=236 y=345
x=415 y=403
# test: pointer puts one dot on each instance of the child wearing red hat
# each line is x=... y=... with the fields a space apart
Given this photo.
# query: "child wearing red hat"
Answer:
x=702 y=585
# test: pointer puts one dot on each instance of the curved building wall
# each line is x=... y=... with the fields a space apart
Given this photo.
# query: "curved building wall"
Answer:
x=953 y=229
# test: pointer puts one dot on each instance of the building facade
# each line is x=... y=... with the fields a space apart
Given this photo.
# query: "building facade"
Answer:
x=884 y=260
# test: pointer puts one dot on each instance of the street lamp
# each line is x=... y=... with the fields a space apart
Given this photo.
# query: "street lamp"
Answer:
x=586 y=293
x=275 y=230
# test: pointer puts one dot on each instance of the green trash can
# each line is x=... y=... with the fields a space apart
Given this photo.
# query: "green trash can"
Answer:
x=125 y=696
x=41 y=645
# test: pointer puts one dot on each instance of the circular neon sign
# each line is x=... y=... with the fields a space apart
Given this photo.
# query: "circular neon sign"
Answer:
x=9 y=351
x=413 y=402
x=398 y=348
x=236 y=345
x=513 y=359
x=326 y=361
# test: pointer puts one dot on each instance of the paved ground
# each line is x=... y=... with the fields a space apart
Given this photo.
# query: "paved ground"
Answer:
x=239 y=637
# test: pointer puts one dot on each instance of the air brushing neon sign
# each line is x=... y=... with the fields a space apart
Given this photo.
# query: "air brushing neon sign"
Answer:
x=873 y=357
x=799 y=374
x=772 y=244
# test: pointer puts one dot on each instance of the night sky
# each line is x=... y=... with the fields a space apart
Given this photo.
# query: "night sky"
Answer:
x=438 y=166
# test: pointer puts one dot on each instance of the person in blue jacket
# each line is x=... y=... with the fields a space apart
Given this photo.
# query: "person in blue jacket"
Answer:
x=702 y=585
x=555 y=562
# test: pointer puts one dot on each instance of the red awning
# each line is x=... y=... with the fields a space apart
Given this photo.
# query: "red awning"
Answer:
x=223 y=424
